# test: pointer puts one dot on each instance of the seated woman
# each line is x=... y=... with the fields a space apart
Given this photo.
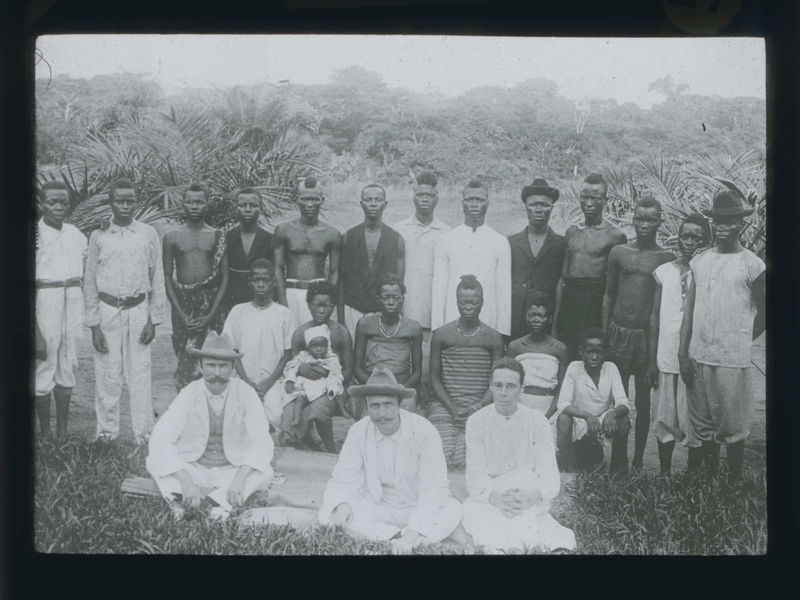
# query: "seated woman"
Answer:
x=388 y=340
x=321 y=298
x=543 y=357
x=462 y=354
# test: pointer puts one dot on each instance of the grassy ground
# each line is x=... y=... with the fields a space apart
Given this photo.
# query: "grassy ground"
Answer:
x=79 y=506
x=79 y=509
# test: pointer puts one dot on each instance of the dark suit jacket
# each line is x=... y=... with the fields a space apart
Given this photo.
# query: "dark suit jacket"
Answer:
x=239 y=263
x=527 y=273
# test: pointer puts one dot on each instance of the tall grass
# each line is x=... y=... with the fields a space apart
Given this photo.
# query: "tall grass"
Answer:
x=79 y=508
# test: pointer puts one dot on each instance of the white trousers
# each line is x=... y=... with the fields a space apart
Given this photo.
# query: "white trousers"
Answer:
x=296 y=302
x=127 y=360
x=351 y=317
x=59 y=315
x=383 y=520
x=218 y=478
x=533 y=528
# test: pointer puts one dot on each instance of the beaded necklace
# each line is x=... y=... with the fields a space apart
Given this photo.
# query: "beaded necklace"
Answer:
x=386 y=333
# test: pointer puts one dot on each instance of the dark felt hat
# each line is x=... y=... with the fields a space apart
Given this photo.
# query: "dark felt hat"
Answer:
x=728 y=204
x=216 y=346
x=539 y=187
x=381 y=383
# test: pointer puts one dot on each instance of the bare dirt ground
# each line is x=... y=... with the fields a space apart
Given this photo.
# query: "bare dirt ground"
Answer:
x=82 y=414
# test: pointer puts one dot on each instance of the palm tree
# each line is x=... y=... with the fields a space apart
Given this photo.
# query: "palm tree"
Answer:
x=164 y=152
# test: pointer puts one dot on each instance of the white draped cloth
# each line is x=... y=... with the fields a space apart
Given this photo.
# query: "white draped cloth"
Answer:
x=393 y=482
x=483 y=253
x=505 y=453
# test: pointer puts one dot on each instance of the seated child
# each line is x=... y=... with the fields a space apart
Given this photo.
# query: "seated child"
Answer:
x=298 y=392
x=592 y=402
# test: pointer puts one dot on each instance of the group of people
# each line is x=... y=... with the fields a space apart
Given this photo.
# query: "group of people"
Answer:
x=419 y=332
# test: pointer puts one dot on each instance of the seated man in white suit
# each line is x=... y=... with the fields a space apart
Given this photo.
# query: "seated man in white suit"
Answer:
x=212 y=447
x=511 y=472
x=391 y=479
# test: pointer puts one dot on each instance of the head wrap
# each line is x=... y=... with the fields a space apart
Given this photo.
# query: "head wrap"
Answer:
x=315 y=332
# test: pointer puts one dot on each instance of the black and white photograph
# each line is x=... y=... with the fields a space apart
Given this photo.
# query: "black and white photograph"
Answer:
x=399 y=294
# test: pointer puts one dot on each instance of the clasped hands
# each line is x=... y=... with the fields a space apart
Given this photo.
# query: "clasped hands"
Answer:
x=514 y=501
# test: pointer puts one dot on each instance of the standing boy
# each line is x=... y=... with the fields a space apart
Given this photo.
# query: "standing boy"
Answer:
x=627 y=305
x=724 y=314
x=262 y=330
x=60 y=256
x=195 y=276
x=670 y=416
x=125 y=300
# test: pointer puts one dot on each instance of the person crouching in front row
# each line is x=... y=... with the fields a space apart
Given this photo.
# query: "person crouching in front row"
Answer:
x=592 y=405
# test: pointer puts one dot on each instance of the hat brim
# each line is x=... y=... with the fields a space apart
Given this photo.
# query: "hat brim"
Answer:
x=381 y=390
x=729 y=212
x=532 y=190
x=218 y=354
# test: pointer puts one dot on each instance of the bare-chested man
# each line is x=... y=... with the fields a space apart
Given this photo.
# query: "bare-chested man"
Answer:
x=579 y=294
x=369 y=250
x=627 y=304
x=301 y=247
x=195 y=277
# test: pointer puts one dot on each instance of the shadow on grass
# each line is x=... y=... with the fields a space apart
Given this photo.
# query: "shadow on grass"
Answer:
x=79 y=508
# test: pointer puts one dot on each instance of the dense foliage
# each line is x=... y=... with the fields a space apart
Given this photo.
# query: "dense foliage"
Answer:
x=356 y=128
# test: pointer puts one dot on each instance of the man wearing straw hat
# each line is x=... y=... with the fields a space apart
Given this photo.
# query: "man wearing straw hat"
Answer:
x=212 y=447
x=391 y=479
x=724 y=313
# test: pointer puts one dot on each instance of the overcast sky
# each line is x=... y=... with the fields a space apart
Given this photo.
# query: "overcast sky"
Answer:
x=619 y=68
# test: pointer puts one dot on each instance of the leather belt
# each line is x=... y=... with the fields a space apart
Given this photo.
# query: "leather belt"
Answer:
x=121 y=303
x=72 y=282
x=301 y=285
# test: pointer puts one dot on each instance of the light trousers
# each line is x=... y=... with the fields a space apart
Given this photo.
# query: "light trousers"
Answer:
x=219 y=478
x=59 y=314
x=128 y=361
x=533 y=528
x=382 y=520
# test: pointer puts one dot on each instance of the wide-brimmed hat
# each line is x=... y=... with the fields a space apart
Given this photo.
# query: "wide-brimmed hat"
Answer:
x=728 y=204
x=539 y=187
x=381 y=383
x=216 y=346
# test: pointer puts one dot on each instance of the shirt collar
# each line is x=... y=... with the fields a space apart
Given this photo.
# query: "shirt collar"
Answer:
x=476 y=230
x=114 y=228
x=435 y=224
x=47 y=227
x=516 y=414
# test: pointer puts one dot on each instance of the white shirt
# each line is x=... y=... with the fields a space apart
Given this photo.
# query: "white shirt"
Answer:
x=498 y=444
x=420 y=242
x=60 y=253
x=580 y=391
x=412 y=459
x=124 y=262
x=724 y=308
x=483 y=253
x=263 y=335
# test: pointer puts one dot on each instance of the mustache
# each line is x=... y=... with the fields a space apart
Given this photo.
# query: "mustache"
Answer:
x=218 y=379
